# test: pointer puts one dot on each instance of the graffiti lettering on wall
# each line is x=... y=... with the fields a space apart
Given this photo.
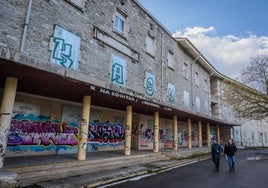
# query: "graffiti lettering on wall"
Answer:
x=183 y=136
x=106 y=133
x=39 y=133
x=149 y=134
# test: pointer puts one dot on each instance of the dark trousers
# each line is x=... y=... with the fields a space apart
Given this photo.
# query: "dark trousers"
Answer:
x=216 y=162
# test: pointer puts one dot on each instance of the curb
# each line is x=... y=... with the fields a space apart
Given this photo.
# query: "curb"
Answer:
x=154 y=170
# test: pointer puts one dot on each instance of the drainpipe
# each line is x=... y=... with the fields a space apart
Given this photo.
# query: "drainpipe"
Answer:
x=192 y=84
x=26 y=24
x=162 y=67
x=209 y=92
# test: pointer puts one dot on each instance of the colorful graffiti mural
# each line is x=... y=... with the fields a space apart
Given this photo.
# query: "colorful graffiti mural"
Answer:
x=106 y=133
x=183 y=136
x=40 y=133
x=105 y=136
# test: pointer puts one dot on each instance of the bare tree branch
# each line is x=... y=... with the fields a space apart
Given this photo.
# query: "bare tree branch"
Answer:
x=251 y=102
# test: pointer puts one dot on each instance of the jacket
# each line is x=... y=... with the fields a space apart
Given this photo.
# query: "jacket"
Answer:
x=216 y=150
x=230 y=149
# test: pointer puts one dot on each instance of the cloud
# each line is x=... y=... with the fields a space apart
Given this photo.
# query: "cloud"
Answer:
x=228 y=54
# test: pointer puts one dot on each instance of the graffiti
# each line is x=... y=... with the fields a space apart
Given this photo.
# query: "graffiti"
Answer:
x=194 y=135
x=149 y=84
x=4 y=136
x=149 y=134
x=65 y=48
x=62 y=52
x=180 y=137
x=106 y=133
x=118 y=71
x=40 y=131
x=94 y=147
x=183 y=136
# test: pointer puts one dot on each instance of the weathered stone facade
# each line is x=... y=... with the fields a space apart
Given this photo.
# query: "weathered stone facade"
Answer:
x=197 y=85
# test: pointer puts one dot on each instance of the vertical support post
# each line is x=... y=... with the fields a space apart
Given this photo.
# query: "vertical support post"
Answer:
x=156 y=132
x=189 y=128
x=199 y=134
x=175 y=133
x=127 y=147
x=218 y=134
x=7 y=105
x=208 y=134
x=83 y=134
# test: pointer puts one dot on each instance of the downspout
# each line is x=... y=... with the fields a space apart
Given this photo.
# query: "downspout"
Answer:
x=162 y=67
x=209 y=93
x=192 y=84
x=26 y=24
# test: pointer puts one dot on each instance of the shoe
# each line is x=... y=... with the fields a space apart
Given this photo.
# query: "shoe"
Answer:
x=230 y=170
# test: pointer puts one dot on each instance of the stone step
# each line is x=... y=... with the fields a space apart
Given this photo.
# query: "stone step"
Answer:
x=31 y=174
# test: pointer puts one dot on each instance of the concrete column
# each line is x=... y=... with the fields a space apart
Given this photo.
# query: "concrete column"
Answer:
x=83 y=134
x=189 y=128
x=6 y=110
x=218 y=134
x=208 y=134
x=175 y=133
x=127 y=147
x=156 y=132
x=199 y=134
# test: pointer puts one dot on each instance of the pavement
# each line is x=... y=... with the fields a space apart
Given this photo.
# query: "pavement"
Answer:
x=178 y=158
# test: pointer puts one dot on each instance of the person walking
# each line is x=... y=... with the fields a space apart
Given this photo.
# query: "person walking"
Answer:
x=216 y=150
x=229 y=152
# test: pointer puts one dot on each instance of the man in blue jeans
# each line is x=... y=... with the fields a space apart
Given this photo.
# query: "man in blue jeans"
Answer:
x=229 y=151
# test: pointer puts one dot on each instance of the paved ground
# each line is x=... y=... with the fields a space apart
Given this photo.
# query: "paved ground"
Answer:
x=251 y=172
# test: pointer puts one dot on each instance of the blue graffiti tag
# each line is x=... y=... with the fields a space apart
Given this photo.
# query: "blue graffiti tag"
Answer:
x=62 y=52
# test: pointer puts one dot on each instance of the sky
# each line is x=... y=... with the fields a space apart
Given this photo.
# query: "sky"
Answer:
x=227 y=32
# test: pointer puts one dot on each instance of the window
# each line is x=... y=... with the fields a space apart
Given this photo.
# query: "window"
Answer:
x=78 y=3
x=150 y=44
x=197 y=104
x=260 y=137
x=265 y=137
x=185 y=70
x=186 y=100
x=118 y=73
x=170 y=59
x=224 y=113
x=196 y=78
x=205 y=84
x=171 y=92
x=119 y=22
x=206 y=108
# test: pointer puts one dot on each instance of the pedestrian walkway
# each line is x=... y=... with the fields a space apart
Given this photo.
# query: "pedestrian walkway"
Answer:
x=98 y=166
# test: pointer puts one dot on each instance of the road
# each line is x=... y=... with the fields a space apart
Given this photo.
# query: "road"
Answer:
x=251 y=172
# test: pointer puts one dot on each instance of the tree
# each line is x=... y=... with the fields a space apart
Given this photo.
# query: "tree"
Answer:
x=251 y=100
x=256 y=75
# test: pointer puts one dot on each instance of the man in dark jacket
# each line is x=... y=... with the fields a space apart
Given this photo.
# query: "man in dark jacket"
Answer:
x=229 y=151
x=216 y=150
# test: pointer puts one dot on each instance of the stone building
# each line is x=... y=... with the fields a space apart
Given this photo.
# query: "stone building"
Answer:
x=83 y=76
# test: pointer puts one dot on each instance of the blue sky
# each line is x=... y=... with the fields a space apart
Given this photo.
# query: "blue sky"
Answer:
x=226 y=32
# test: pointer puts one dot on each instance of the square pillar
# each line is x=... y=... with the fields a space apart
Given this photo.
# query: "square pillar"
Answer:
x=175 y=133
x=156 y=132
x=199 y=134
x=83 y=133
x=7 y=104
x=189 y=128
x=127 y=148
x=218 y=134
x=208 y=135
